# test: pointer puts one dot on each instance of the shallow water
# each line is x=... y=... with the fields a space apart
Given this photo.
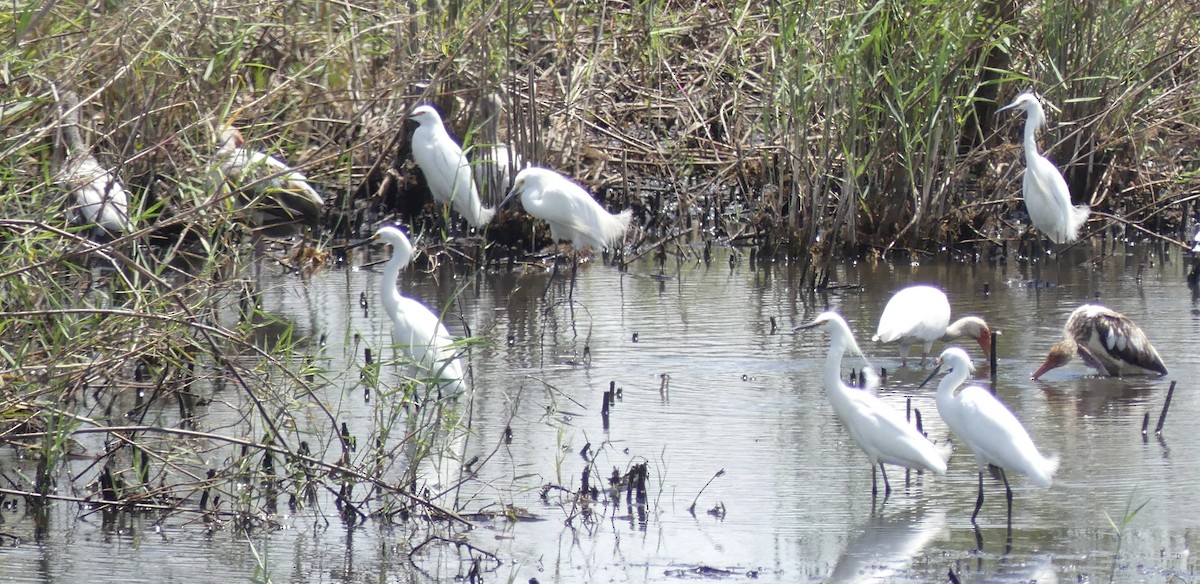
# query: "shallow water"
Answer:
x=708 y=387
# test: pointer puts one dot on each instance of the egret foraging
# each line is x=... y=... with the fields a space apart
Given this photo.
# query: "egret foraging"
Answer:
x=1045 y=191
x=571 y=212
x=100 y=198
x=879 y=431
x=278 y=194
x=418 y=332
x=988 y=427
x=921 y=314
x=446 y=169
x=1107 y=341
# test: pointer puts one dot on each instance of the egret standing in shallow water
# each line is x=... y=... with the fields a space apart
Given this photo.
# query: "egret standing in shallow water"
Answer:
x=1107 y=341
x=446 y=168
x=988 y=427
x=1045 y=191
x=418 y=332
x=278 y=194
x=570 y=210
x=921 y=314
x=882 y=433
x=99 y=195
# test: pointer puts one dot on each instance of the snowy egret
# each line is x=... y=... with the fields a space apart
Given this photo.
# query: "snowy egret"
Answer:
x=988 y=427
x=881 y=432
x=99 y=195
x=921 y=314
x=446 y=169
x=570 y=210
x=286 y=197
x=1107 y=341
x=416 y=330
x=1045 y=191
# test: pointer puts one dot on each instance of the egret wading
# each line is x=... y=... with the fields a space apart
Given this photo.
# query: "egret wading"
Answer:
x=1107 y=341
x=279 y=196
x=100 y=199
x=988 y=427
x=921 y=315
x=416 y=330
x=881 y=432
x=571 y=212
x=446 y=168
x=1045 y=191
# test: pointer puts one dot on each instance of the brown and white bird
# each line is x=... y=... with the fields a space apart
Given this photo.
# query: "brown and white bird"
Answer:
x=1107 y=341
x=100 y=198
x=279 y=194
x=921 y=315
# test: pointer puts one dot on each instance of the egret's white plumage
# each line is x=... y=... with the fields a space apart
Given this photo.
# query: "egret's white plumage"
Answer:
x=1045 y=191
x=880 y=431
x=416 y=330
x=571 y=212
x=988 y=427
x=446 y=169
x=1107 y=341
x=921 y=315
x=100 y=197
x=286 y=195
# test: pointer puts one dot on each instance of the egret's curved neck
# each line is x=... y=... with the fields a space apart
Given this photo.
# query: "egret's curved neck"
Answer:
x=951 y=382
x=389 y=294
x=1035 y=118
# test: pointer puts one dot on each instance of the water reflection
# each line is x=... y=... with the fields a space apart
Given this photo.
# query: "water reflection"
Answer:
x=709 y=384
x=887 y=544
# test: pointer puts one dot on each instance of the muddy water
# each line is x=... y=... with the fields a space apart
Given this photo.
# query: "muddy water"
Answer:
x=707 y=386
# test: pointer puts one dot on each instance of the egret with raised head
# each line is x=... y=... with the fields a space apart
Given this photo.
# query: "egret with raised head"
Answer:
x=100 y=198
x=416 y=330
x=921 y=315
x=880 y=431
x=1045 y=191
x=1107 y=341
x=988 y=427
x=447 y=170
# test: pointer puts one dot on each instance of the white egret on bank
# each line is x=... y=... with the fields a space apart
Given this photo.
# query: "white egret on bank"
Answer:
x=277 y=193
x=881 y=432
x=1045 y=191
x=1107 y=341
x=416 y=330
x=921 y=314
x=446 y=169
x=988 y=427
x=100 y=198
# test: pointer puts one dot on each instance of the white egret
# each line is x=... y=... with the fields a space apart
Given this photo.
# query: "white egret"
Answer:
x=1107 y=341
x=100 y=198
x=881 y=432
x=1045 y=191
x=277 y=193
x=446 y=169
x=988 y=427
x=416 y=330
x=571 y=212
x=921 y=314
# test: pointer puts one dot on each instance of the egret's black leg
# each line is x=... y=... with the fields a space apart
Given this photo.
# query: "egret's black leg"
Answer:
x=1007 y=495
x=553 y=271
x=574 y=272
x=874 y=483
x=978 y=500
x=887 y=488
